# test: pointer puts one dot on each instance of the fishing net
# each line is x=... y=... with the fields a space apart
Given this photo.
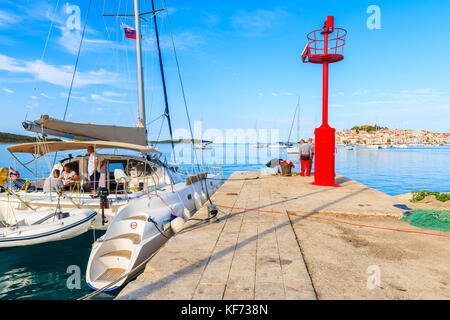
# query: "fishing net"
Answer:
x=430 y=219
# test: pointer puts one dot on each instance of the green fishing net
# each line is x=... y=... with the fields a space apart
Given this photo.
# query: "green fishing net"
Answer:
x=430 y=219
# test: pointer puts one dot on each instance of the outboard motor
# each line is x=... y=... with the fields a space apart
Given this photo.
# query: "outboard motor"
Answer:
x=104 y=203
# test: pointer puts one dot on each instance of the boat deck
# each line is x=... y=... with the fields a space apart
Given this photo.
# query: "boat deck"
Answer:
x=252 y=254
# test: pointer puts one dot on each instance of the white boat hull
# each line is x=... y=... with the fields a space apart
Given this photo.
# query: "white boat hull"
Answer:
x=139 y=230
x=293 y=150
x=77 y=223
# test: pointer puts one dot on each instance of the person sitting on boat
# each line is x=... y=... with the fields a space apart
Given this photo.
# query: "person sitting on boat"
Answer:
x=17 y=183
x=69 y=177
x=96 y=166
x=54 y=183
x=305 y=158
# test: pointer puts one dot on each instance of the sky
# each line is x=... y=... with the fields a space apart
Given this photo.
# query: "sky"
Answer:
x=239 y=60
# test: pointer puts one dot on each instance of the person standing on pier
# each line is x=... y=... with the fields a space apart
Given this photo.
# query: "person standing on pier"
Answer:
x=305 y=158
x=311 y=162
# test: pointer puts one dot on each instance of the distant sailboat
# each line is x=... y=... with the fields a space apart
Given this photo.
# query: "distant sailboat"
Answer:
x=258 y=145
x=296 y=149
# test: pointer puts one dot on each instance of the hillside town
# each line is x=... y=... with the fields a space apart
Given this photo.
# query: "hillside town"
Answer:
x=376 y=135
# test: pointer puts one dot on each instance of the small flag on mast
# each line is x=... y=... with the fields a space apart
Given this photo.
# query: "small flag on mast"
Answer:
x=129 y=32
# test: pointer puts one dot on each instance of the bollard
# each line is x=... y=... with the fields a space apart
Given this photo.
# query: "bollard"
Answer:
x=212 y=213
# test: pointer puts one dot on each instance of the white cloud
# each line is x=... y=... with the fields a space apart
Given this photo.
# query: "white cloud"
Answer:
x=112 y=94
x=70 y=41
x=57 y=75
x=408 y=97
x=8 y=90
x=100 y=98
x=256 y=23
x=7 y=19
x=282 y=94
x=358 y=93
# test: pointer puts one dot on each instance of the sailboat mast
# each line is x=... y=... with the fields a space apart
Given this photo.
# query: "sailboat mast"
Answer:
x=140 y=71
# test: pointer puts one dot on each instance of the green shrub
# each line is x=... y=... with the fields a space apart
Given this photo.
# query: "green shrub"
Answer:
x=420 y=195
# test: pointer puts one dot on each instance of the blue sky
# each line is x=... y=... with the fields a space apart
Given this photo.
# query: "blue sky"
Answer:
x=240 y=62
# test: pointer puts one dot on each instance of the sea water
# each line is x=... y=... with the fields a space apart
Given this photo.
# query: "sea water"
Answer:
x=50 y=270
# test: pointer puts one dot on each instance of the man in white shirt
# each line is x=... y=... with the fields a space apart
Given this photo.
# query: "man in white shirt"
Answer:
x=96 y=166
x=69 y=177
x=54 y=184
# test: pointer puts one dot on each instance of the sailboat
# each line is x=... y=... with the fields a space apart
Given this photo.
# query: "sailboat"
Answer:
x=296 y=149
x=203 y=145
x=143 y=199
x=258 y=145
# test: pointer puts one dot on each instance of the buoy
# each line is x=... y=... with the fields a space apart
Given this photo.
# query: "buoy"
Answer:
x=177 y=225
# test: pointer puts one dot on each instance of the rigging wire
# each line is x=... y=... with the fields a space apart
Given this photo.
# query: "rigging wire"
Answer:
x=181 y=84
x=43 y=54
x=75 y=68
x=77 y=60
x=184 y=95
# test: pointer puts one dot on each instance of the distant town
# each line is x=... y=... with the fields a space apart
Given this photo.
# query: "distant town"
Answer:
x=376 y=135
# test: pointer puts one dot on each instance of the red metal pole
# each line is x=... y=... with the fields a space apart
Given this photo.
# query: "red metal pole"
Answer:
x=325 y=94
x=325 y=135
x=325 y=82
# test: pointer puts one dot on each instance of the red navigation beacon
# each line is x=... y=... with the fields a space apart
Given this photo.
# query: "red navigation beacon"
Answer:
x=325 y=46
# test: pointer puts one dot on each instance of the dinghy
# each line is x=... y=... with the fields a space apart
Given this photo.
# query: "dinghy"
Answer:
x=23 y=229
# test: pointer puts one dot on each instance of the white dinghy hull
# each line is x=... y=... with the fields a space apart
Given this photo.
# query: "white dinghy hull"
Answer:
x=29 y=231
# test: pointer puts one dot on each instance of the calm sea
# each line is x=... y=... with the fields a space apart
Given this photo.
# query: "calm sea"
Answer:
x=43 y=271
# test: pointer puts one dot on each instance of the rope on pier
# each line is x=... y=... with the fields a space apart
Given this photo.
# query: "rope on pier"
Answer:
x=293 y=213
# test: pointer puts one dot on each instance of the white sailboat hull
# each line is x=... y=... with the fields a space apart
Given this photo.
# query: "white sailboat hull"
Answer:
x=139 y=230
x=293 y=150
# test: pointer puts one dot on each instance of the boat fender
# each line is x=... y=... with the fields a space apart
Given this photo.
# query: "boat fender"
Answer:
x=197 y=201
x=187 y=215
x=177 y=225
x=203 y=196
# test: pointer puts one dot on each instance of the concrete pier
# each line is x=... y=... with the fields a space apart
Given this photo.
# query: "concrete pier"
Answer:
x=266 y=254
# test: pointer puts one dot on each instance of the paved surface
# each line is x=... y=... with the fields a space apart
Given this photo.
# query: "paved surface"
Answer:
x=256 y=255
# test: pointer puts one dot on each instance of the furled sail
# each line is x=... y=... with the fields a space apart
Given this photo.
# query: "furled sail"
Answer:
x=87 y=132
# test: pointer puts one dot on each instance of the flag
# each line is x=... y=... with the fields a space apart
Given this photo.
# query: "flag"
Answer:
x=14 y=173
x=129 y=32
